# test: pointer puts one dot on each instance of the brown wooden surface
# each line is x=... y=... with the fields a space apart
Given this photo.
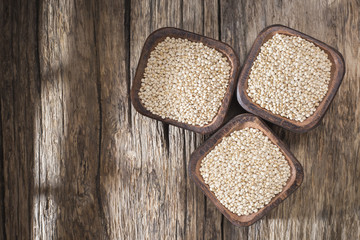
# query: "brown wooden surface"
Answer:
x=337 y=74
x=237 y=123
x=78 y=162
x=150 y=44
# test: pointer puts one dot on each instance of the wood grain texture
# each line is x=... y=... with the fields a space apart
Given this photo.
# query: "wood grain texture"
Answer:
x=78 y=162
x=20 y=96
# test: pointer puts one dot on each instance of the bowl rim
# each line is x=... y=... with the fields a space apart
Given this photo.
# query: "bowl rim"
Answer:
x=338 y=72
x=152 y=40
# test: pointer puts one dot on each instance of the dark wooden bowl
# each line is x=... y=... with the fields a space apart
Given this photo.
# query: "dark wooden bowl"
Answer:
x=237 y=123
x=337 y=74
x=152 y=41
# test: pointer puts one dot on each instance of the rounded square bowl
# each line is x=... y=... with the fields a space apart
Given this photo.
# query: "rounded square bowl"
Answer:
x=238 y=123
x=337 y=74
x=151 y=42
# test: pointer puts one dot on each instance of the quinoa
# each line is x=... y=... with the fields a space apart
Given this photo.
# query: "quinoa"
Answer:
x=290 y=77
x=245 y=171
x=185 y=81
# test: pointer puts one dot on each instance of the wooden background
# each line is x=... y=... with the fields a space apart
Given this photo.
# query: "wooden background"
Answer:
x=77 y=161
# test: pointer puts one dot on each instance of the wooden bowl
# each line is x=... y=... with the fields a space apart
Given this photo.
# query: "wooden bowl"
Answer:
x=337 y=74
x=152 y=41
x=238 y=123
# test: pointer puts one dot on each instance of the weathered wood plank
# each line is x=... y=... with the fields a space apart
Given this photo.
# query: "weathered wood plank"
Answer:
x=68 y=205
x=19 y=103
x=112 y=40
x=200 y=225
x=194 y=210
x=202 y=17
x=158 y=148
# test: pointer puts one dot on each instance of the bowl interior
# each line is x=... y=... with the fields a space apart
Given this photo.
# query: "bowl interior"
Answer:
x=238 y=123
x=158 y=36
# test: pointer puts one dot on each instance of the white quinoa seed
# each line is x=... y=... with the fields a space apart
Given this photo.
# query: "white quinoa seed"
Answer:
x=185 y=81
x=289 y=77
x=245 y=171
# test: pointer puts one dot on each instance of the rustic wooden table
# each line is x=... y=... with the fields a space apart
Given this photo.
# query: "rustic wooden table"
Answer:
x=77 y=161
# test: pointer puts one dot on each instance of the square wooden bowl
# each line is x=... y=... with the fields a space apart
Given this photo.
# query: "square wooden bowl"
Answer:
x=152 y=41
x=337 y=74
x=238 y=123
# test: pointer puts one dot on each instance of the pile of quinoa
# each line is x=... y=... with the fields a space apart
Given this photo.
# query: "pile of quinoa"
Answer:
x=289 y=77
x=245 y=171
x=185 y=81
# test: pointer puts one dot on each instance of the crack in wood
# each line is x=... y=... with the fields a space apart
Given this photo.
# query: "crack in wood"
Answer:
x=98 y=87
x=127 y=19
x=2 y=183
